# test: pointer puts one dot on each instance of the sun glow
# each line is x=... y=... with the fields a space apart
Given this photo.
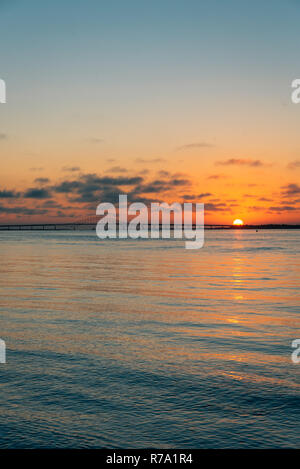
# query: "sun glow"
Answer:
x=238 y=222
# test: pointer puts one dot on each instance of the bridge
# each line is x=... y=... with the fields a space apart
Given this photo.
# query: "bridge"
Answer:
x=82 y=223
x=78 y=226
x=89 y=223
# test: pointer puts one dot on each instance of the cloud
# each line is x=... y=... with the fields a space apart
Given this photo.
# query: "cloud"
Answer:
x=192 y=146
x=9 y=194
x=290 y=190
x=189 y=197
x=282 y=208
x=70 y=169
x=52 y=204
x=196 y=197
x=144 y=171
x=36 y=193
x=204 y=194
x=163 y=174
x=216 y=176
x=92 y=188
x=160 y=185
x=109 y=180
x=241 y=162
x=36 y=169
x=117 y=169
x=22 y=210
x=153 y=160
x=294 y=164
x=42 y=180
x=219 y=207
x=255 y=208
x=3 y=136
x=66 y=186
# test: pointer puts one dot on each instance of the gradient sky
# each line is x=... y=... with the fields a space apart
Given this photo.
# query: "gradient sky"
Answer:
x=163 y=100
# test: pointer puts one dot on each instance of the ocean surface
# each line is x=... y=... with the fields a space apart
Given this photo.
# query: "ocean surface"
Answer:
x=142 y=343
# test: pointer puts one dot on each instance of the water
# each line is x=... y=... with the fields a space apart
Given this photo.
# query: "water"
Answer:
x=145 y=344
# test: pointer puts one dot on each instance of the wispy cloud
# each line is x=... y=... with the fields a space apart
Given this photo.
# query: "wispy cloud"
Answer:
x=241 y=162
x=160 y=185
x=217 y=176
x=291 y=189
x=218 y=207
x=42 y=180
x=117 y=169
x=197 y=145
x=71 y=169
x=204 y=194
x=151 y=160
x=196 y=197
x=36 y=169
x=21 y=210
x=163 y=173
x=294 y=164
x=282 y=208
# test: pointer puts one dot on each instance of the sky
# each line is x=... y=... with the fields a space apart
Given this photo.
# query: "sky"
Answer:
x=173 y=101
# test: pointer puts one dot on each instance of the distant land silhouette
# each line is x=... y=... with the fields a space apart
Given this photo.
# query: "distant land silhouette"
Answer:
x=91 y=225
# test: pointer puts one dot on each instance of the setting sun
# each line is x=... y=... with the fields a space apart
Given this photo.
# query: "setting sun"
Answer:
x=238 y=222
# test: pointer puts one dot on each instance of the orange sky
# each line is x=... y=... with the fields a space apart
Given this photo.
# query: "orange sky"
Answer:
x=193 y=106
x=253 y=188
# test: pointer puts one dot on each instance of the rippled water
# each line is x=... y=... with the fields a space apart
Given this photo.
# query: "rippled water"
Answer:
x=146 y=344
